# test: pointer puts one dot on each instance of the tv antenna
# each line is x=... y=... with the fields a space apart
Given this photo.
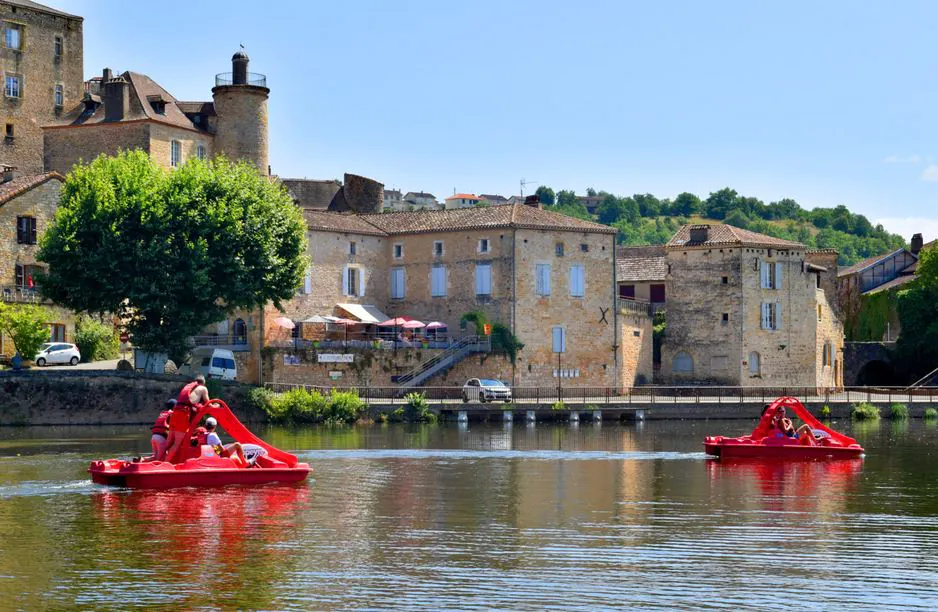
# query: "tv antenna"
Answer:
x=525 y=182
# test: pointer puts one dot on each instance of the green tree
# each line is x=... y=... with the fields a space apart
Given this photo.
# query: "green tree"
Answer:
x=686 y=204
x=590 y=191
x=566 y=197
x=171 y=252
x=545 y=195
x=648 y=205
x=721 y=202
x=917 y=346
x=96 y=340
x=737 y=218
x=27 y=325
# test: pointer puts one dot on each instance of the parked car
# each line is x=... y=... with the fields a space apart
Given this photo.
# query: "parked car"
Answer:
x=486 y=390
x=210 y=362
x=57 y=352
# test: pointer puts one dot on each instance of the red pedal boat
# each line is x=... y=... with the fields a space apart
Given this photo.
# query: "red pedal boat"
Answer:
x=767 y=442
x=199 y=466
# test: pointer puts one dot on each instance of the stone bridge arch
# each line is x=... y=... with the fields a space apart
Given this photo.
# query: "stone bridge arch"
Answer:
x=869 y=363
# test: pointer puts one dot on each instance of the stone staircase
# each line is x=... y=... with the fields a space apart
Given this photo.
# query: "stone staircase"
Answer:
x=462 y=348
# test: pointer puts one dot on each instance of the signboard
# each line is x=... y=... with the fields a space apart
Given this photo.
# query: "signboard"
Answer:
x=487 y=329
x=335 y=374
x=335 y=357
x=291 y=360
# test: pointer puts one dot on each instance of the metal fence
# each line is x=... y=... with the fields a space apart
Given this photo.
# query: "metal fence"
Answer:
x=253 y=78
x=647 y=395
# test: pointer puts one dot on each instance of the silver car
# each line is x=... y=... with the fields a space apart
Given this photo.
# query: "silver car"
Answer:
x=486 y=390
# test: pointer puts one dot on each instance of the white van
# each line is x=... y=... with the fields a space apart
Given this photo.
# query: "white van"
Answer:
x=211 y=362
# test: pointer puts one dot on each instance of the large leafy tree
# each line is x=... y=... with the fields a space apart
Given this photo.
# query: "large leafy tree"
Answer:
x=918 y=314
x=171 y=252
x=545 y=195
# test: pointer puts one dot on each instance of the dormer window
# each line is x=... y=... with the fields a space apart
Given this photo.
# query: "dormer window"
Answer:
x=159 y=106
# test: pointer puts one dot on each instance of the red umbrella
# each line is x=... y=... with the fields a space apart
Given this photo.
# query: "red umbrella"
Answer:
x=284 y=322
x=413 y=324
x=396 y=322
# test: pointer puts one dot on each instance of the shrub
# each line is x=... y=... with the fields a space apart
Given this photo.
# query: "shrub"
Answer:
x=898 y=412
x=559 y=405
x=26 y=325
x=261 y=398
x=825 y=412
x=301 y=405
x=930 y=413
x=343 y=407
x=96 y=341
x=865 y=412
x=418 y=410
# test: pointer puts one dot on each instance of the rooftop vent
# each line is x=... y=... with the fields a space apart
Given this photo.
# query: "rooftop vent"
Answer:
x=917 y=243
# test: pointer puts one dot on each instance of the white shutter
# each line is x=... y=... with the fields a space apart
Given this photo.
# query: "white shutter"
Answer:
x=438 y=281
x=765 y=315
x=558 y=340
x=763 y=275
x=778 y=316
x=361 y=283
x=778 y=275
x=577 y=281
x=345 y=287
x=483 y=279
x=308 y=282
x=542 y=274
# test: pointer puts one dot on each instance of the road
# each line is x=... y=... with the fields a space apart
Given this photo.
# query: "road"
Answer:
x=110 y=364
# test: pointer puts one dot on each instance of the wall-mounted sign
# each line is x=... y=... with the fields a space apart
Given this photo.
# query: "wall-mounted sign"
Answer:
x=335 y=374
x=291 y=360
x=335 y=357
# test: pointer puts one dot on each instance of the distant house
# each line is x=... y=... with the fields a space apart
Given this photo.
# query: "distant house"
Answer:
x=590 y=203
x=393 y=200
x=355 y=194
x=494 y=200
x=420 y=200
x=461 y=200
x=516 y=199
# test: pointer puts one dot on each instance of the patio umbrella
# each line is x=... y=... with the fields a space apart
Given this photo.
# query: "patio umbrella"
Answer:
x=396 y=322
x=319 y=319
x=412 y=324
x=436 y=325
x=284 y=322
x=345 y=323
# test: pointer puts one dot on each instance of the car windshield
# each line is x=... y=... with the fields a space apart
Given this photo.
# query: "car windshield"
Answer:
x=488 y=382
x=45 y=346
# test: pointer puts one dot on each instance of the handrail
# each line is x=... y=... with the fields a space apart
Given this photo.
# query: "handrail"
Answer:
x=924 y=379
x=459 y=347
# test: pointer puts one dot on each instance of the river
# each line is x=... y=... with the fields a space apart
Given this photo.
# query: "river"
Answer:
x=451 y=517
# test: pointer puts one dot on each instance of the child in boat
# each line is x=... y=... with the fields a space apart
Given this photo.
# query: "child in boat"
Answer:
x=223 y=450
x=160 y=431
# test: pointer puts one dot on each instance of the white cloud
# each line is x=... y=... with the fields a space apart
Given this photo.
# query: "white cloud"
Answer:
x=903 y=159
x=930 y=173
x=906 y=226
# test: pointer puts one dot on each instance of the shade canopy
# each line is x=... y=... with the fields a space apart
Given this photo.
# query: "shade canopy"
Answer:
x=413 y=324
x=320 y=319
x=396 y=322
x=346 y=322
x=364 y=313
x=436 y=325
x=284 y=322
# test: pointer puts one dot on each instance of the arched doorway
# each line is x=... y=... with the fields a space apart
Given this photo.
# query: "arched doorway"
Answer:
x=239 y=332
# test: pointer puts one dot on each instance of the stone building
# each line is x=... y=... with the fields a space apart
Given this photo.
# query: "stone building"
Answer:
x=748 y=309
x=415 y=200
x=131 y=111
x=356 y=194
x=461 y=200
x=642 y=274
x=27 y=206
x=41 y=55
x=394 y=200
x=548 y=277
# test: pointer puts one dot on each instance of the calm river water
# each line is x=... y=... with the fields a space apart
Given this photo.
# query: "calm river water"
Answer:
x=443 y=517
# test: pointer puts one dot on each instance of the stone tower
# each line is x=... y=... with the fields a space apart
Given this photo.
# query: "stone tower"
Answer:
x=241 y=109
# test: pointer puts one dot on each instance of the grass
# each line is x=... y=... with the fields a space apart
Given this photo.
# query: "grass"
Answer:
x=898 y=412
x=865 y=412
x=559 y=406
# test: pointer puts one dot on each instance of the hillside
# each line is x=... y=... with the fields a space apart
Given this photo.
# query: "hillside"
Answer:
x=644 y=219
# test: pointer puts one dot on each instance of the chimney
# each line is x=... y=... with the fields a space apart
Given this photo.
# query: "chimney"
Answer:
x=106 y=75
x=699 y=233
x=9 y=173
x=533 y=201
x=917 y=243
x=116 y=99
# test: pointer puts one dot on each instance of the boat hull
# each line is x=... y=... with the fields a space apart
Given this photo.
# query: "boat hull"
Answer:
x=162 y=475
x=792 y=452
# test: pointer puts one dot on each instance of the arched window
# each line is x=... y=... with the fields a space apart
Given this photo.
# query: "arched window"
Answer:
x=682 y=363
x=240 y=332
x=755 y=364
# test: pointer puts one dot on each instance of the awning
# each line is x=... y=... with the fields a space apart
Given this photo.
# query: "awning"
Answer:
x=815 y=268
x=320 y=319
x=365 y=314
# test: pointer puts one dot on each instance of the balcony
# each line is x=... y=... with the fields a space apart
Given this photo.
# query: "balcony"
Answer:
x=253 y=78
x=639 y=307
x=20 y=294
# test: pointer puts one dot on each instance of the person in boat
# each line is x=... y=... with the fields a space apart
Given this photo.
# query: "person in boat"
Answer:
x=191 y=399
x=160 y=431
x=222 y=450
x=786 y=428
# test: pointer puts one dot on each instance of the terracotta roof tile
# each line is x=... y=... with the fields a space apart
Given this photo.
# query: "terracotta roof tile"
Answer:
x=42 y=8
x=326 y=221
x=22 y=184
x=463 y=196
x=721 y=234
x=646 y=263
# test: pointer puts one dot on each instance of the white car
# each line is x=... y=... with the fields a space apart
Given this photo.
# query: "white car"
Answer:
x=486 y=390
x=57 y=352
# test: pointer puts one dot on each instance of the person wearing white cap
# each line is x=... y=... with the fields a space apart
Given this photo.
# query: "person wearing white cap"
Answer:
x=223 y=450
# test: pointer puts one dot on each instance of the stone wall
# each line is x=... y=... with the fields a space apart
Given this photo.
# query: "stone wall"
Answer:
x=68 y=145
x=589 y=321
x=160 y=143
x=242 y=124
x=370 y=368
x=475 y=366
x=636 y=350
x=99 y=398
x=40 y=71
x=363 y=195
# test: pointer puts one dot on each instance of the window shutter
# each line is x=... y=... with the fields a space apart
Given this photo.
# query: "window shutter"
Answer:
x=778 y=275
x=765 y=315
x=345 y=275
x=763 y=275
x=778 y=316
x=558 y=340
x=20 y=280
x=32 y=230
x=308 y=282
x=361 y=283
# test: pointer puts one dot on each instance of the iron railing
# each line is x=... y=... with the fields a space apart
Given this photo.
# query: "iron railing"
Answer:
x=650 y=395
x=18 y=293
x=253 y=78
x=236 y=342
x=639 y=307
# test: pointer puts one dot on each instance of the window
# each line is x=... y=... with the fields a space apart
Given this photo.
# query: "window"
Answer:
x=585 y=248
x=438 y=248
x=240 y=332
x=827 y=358
x=627 y=292
x=308 y=282
x=656 y=293
x=483 y=280
x=353 y=282
x=770 y=275
x=817 y=280
x=558 y=340
x=57 y=334
x=682 y=363
x=558 y=249
x=11 y=86
x=59 y=96
x=398 y=289
x=26 y=230
x=352 y=248
x=542 y=279
x=484 y=245
x=58 y=47
x=438 y=281
x=227 y=364
x=24 y=276
x=771 y=315
x=577 y=281
x=726 y=317
x=175 y=153
x=200 y=151
x=9 y=131
x=819 y=312
x=398 y=251
x=725 y=280
x=13 y=37
x=755 y=364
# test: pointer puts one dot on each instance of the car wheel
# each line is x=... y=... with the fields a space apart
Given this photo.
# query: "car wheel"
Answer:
x=41 y=362
x=481 y=398
x=507 y=401
x=465 y=398
x=73 y=361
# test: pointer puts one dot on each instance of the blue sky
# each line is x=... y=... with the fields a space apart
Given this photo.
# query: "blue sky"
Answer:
x=825 y=102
